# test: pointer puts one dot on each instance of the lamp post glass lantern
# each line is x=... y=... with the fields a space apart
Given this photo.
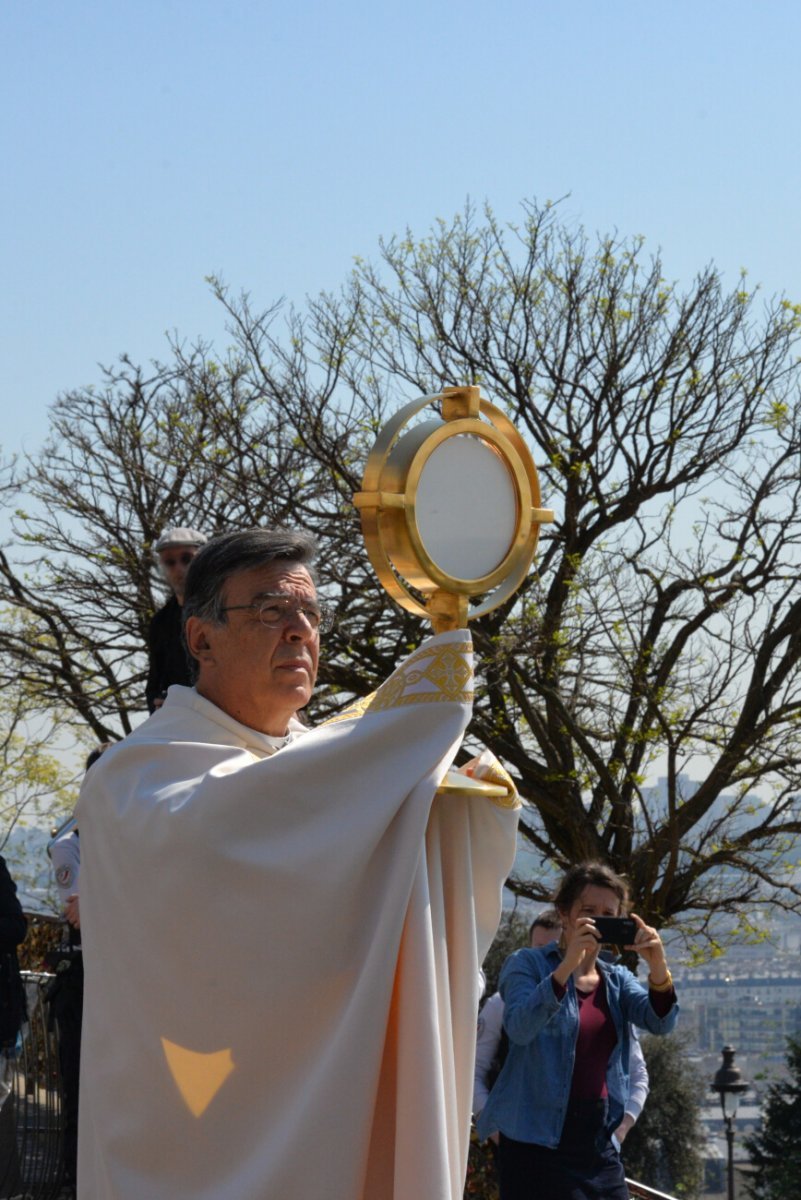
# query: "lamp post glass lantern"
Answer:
x=730 y=1086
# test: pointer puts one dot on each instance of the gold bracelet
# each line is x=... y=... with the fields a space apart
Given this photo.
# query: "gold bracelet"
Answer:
x=661 y=987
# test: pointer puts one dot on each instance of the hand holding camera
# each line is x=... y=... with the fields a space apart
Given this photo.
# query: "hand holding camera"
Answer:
x=631 y=933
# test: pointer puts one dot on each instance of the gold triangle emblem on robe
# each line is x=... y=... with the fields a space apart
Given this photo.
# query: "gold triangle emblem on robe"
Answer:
x=198 y=1077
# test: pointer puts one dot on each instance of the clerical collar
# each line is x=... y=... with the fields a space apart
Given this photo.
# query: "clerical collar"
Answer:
x=253 y=739
x=278 y=743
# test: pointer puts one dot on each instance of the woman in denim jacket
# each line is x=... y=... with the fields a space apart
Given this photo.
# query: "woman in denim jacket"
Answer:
x=559 y=1099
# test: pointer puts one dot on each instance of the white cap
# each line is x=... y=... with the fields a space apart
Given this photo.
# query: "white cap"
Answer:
x=179 y=536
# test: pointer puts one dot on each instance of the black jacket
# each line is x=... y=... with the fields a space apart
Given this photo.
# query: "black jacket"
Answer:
x=168 y=658
x=13 y=926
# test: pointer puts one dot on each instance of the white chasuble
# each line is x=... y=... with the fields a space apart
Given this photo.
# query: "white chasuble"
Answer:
x=282 y=948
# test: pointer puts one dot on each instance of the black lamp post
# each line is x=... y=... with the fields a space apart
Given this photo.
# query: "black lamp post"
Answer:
x=730 y=1085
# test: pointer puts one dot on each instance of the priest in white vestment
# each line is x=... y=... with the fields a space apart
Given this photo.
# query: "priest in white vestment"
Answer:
x=283 y=928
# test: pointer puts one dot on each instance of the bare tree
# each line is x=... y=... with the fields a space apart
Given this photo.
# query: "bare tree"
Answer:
x=37 y=789
x=215 y=444
x=661 y=630
x=35 y=783
x=663 y=625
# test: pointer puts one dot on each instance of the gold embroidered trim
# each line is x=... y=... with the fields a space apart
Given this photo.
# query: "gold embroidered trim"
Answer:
x=509 y=801
x=465 y=647
x=356 y=709
x=445 y=668
x=381 y=705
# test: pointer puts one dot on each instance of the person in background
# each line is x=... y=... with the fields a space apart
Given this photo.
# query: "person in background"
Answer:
x=168 y=662
x=562 y=1091
x=13 y=927
x=492 y=1043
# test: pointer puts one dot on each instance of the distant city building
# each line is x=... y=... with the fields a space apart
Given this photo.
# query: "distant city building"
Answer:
x=751 y=1008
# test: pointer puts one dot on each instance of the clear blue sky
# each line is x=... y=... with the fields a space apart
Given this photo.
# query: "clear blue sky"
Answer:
x=146 y=145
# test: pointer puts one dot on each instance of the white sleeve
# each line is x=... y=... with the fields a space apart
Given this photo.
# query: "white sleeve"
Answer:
x=65 y=854
x=638 y=1078
x=490 y=1027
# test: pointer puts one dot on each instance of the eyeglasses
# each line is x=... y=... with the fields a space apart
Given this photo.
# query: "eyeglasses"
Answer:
x=276 y=611
x=184 y=559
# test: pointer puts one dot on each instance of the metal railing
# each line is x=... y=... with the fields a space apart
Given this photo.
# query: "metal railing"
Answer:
x=641 y=1192
x=31 y=1136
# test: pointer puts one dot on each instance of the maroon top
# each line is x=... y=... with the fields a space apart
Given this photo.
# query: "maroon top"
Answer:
x=597 y=1037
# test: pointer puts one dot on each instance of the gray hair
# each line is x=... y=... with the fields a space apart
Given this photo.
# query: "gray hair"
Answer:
x=230 y=553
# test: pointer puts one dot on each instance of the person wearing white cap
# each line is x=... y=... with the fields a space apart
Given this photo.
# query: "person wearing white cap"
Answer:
x=167 y=657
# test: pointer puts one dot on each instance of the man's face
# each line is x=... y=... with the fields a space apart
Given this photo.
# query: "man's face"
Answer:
x=174 y=562
x=260 y=676
x=541 y=936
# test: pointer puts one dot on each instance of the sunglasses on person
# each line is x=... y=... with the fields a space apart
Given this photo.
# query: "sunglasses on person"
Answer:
x=183 y=559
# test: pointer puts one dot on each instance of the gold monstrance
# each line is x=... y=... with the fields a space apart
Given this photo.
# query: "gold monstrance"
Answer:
x=450 y=507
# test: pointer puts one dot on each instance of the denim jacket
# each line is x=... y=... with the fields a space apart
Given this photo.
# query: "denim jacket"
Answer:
x=530 y=1097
